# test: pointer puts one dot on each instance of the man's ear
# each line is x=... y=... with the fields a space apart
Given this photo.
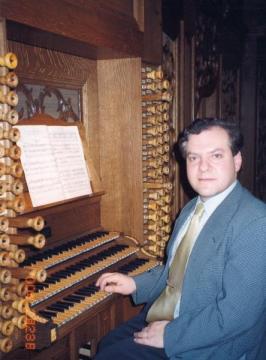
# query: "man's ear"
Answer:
x=238 y=161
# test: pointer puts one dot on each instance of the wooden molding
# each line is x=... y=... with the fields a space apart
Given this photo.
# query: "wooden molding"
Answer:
x=90 y=24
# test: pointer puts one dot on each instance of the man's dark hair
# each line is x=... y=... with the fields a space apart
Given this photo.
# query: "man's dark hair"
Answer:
x=199 y=125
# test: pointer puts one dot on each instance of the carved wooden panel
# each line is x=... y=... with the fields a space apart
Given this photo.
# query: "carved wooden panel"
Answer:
x=229 y=94
x=206 y=59
x=57 y=102
x=260 y=177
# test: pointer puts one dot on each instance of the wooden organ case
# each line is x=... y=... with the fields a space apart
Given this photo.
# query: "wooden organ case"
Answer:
x=108 y=41
x=61 y=307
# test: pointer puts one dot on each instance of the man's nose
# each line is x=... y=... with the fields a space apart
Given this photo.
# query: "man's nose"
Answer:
x=204 y=164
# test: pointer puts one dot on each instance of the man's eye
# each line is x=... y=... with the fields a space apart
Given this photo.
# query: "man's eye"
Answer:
x=217 y=156
x=192 y=158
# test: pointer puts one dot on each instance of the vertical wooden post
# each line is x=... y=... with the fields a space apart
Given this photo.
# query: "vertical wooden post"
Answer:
x=3 y=41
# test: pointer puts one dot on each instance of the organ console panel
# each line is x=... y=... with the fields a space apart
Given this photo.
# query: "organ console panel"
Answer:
x=64 y=248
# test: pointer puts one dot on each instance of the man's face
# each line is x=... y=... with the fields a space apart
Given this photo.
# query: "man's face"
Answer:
x=211 y=166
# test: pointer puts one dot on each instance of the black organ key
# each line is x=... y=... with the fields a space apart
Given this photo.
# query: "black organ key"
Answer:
x=40 y=286
x=59 y=276
x=46 y=314
x=85 y=292
x=55 y=308
x=72 y=299
x=81 y=296
x=133 y=265
x=50 y=280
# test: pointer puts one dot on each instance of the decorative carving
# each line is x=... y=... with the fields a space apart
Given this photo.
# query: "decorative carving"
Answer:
x=168 y=62
x=36 y=99
x=260 y=180
x=230 y=94
x=206 y=59
x=217 y=34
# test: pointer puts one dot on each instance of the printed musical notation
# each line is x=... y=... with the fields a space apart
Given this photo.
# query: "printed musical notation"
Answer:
x=53 y=161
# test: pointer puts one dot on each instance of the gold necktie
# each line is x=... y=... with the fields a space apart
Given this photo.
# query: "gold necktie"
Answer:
x=164 y=306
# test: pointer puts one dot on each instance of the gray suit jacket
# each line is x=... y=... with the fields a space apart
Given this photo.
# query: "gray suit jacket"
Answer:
x=223 y=304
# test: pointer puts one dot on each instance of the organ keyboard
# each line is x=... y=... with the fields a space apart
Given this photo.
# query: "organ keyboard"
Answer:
x=68 y=297
x=74 y=304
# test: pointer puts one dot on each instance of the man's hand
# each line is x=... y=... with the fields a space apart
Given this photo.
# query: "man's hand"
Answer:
x=152 y=334
x=117 y=283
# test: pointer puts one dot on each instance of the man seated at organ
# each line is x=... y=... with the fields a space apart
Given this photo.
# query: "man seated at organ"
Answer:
x=208 y=300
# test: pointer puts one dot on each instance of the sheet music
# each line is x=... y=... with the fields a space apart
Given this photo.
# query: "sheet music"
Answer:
x=53 y=162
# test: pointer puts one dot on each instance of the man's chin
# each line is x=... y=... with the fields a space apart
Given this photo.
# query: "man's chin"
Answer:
x=207 y=193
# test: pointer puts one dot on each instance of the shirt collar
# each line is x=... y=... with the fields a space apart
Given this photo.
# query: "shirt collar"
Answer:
x=212 y=203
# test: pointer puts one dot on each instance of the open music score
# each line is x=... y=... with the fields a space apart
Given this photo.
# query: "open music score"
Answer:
x=53 y=163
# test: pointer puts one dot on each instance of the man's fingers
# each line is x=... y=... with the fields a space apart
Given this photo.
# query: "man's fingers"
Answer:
x=116 y=282
x=110 y=288
x=105 y=279
x=142 y=334
x=103 y=276
x=142 y=337
x=142 y=341
x=106 y=285
x=151 y=335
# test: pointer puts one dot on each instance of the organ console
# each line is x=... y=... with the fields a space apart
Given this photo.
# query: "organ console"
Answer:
x=50 y=258
x=51 y=255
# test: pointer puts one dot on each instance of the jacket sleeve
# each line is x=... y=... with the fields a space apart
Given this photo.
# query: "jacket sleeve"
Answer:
x=239 y=303
x=145 y=283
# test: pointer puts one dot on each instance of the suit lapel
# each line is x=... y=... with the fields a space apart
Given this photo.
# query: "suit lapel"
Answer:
x=212 y=236
x=216 y=226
